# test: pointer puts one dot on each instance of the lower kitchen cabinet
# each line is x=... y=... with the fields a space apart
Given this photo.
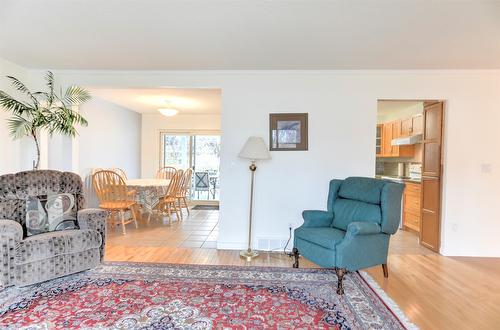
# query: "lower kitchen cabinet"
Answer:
x=411 y=206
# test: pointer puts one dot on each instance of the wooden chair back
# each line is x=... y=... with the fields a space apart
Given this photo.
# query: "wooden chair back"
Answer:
x=175 y=184
x=109 y=187
x=120 y=172
x=186 y=184
x=166 y=172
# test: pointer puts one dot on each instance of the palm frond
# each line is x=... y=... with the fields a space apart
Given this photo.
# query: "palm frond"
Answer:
x=23 y=89
x=18 y=126
x=11 y=104
x=49 y=77
x=75 y=95
x=50 y=111
x=64 y=121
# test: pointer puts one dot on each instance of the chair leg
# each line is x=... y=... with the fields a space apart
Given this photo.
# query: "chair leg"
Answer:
x=169 y=211
x=176 y=211
x=295 y=253
x=134 y=215
x=122 y=217
x=386 y=270
x=186 y=204
x=180 y=207
x=340 y=279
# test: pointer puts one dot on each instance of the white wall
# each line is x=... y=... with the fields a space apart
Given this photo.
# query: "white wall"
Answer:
x=342 y=107
x=152 y=124
x=111 y=139
x=11 y=157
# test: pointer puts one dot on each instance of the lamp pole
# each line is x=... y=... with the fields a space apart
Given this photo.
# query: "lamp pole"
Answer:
x=249 y=254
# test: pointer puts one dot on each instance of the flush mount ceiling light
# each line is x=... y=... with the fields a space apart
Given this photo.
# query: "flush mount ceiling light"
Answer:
x=169 y=112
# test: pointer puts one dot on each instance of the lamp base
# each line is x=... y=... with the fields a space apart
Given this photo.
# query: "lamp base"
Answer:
x=249 y=254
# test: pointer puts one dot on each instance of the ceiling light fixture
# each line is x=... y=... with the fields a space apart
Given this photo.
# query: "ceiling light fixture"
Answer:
x=169 y=112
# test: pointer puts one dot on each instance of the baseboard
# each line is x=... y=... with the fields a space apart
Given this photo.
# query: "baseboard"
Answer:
x=231 y=245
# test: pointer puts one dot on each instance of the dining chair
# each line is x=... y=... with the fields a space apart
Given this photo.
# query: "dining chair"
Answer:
x=113 y=196
x=169 y=202
x=185 y=190
x=120 y=172
x=166 y=172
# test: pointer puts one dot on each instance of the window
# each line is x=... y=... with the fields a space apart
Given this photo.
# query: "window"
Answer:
x=201 y=152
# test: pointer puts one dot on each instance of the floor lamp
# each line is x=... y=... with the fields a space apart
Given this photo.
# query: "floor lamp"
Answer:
x=254 y=149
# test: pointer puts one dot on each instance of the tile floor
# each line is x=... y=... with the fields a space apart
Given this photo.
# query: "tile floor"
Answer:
x=198 y=230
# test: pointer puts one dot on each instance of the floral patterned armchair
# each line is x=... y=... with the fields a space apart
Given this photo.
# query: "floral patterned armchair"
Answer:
x=38 y=258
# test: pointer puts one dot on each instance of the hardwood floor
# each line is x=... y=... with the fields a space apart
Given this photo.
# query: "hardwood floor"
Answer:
x=435 y=292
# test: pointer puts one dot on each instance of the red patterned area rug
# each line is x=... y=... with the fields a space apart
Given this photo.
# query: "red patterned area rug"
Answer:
x=166 y=296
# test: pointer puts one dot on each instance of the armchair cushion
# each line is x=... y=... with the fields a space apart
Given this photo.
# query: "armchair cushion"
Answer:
x=362 y=189
x=53 y=244
x=314 y=218
x=347 y=211
x=323 y=236
x=363 y=228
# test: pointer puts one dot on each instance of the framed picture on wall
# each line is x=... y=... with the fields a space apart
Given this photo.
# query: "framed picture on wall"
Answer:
x=288 y=131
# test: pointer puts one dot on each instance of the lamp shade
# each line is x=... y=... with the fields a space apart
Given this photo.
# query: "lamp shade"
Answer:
x=255 y=148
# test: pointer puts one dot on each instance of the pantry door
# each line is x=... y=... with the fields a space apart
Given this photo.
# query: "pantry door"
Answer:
x=432 y=164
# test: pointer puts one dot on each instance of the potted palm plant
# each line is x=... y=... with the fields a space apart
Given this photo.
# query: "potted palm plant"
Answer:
x=45 y=110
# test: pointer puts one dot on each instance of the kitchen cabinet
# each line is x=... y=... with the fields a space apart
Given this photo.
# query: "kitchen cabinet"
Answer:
x=379 y=139
x=386 y=140
x=432 y=164
x=412 y=126
x=393 y=130
x=411 y=206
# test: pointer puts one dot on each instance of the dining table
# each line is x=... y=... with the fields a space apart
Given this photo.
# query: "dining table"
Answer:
x=148 y=192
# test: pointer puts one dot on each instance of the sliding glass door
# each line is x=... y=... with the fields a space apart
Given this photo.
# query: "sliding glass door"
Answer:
x=199 y=151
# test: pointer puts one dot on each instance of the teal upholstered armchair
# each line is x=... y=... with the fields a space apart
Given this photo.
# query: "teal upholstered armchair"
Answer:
x=353 y=233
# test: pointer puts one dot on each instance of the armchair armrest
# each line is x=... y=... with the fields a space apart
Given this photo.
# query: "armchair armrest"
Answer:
x=314 y=218
x=11 y=227
x=94 y=219
x=363 y=228
x=11 y=233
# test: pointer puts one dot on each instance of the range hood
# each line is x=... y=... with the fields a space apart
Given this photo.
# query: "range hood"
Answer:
x=408 y=140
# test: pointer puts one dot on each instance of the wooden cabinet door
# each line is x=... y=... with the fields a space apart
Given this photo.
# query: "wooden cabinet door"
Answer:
x=431 y=158
x=430 y=223
x=386 y=140
x=379 y=144
x=417 y=123
x=406 y=127
x=396 y=133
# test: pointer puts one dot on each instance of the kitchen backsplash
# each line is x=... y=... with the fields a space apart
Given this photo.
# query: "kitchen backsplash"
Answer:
x=390 y=168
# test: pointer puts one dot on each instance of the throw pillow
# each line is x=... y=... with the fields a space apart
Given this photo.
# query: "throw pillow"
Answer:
x=50 y=213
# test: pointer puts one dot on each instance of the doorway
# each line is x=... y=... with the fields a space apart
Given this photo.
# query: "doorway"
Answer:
x=409 y=147
x=199 y=151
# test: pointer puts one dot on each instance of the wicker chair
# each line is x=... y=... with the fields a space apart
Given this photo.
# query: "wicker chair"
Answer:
x=114 y=197
x=169 y=202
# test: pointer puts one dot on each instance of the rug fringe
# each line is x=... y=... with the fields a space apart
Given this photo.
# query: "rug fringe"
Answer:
x=388 y=301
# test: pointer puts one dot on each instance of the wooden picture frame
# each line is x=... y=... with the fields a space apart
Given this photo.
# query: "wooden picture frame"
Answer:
x=288 y=131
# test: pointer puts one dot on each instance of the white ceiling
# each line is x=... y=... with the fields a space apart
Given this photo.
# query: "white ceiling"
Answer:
x=187 y=101
x=256 y=34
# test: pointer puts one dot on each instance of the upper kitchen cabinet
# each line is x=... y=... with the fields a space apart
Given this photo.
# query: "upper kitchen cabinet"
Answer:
x=390 y=131
x=378 y=145
x=412 y=126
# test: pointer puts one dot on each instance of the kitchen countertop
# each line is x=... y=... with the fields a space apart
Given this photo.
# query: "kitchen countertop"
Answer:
x=397 y=179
